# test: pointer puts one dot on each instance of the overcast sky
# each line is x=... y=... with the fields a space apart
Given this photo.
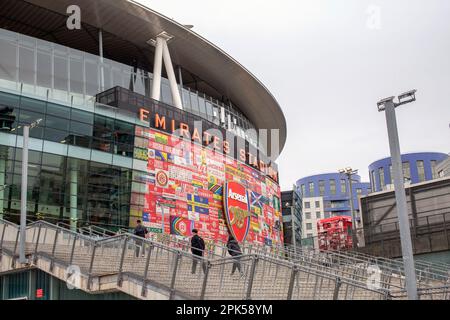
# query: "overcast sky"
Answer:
x=328 y=62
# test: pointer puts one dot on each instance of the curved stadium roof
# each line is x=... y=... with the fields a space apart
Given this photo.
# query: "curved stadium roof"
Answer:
x=136 y=24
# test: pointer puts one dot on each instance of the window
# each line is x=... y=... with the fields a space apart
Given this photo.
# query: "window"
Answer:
x=303 y=190
x=321 y=187
x=317 y=204
x=309 y=235
x=307 y=215
x=433 y=169
x=311 y=188
x=309 y=226
x=381 y=176
x=327 y=215
x=406 y=171
x=372 y=175
x=420 y=170
x=358 y=191
x=391 y=175
x=26 y=66
x=307 y=205
x=343 y=186
x=333 y=187
x=318 y=216
x=8 y=71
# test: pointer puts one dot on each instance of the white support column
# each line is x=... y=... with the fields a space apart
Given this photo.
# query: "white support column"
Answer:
x=162 y=53
x=157 y=66
x=171 y=75
x=73 y=194
x=180 y=80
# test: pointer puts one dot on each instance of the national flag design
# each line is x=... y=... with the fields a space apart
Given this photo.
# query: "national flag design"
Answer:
x=161 y=138
x=163 y=156
x=256 y=200
x=181 y=226
x=189 y=182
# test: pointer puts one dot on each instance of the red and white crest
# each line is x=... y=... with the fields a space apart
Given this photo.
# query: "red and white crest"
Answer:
x=237 y=209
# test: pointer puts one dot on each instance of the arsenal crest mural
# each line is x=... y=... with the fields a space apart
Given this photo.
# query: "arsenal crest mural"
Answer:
x=237 y=210
x=182 y=185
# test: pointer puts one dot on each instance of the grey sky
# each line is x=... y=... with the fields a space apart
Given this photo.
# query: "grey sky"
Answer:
x=328 y=62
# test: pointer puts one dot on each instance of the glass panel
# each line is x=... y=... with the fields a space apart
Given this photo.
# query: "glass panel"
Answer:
x=8 y=60
x=81 y=116
x=44 y=73
x=202 y=107
x=194 y=103
x=60 y=78
x=27 y=117
x=92 y=78
x=57 y=123
x=186 y=100
x=76 y=76
x=81 y=128
x=55 y=135
x=166 y=95
x=27 y=69
x=58 y=110
x=116 y=77
x=32 y=104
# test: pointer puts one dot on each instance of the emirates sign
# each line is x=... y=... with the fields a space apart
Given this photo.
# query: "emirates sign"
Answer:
x=237 y=209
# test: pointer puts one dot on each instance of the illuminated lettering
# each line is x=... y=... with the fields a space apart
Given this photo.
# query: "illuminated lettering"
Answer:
x=160 y=121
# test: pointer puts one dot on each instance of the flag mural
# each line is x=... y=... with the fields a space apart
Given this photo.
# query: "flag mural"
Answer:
x=182 y=186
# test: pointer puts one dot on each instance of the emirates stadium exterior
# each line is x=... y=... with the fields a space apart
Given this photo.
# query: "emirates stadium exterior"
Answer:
x=132 y=116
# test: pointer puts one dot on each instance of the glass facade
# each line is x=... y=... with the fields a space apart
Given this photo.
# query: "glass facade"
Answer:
x=49 y=70
x=98 y=163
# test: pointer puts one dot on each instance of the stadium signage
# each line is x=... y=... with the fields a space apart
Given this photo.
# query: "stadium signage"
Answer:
x=225 y=145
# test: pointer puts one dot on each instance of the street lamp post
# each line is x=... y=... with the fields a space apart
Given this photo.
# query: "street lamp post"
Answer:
x=24 y=187
x=388 y=105
x=349 y=172
x=293 y=240
x=23 y=195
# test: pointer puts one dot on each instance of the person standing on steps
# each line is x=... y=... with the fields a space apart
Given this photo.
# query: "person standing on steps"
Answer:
x=140 y=231
x=235 y=251
x=197 y=249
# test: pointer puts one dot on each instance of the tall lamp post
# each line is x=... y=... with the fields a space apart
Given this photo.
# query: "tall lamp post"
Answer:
x=349 y=172
x=24 y=187
x=293 y=240
x=388 y=105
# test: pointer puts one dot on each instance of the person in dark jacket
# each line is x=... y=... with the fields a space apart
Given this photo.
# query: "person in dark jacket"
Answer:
x=235 y=251
x=197 y=248
x=140 y=231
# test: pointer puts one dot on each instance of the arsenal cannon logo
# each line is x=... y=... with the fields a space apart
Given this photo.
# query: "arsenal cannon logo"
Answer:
x=237 y=209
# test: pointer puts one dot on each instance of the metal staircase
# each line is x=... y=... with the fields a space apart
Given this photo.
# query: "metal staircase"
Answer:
x=95 y=260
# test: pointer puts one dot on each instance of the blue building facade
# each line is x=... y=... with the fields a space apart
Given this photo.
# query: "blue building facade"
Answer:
x=417 y=167
x=333 y=188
